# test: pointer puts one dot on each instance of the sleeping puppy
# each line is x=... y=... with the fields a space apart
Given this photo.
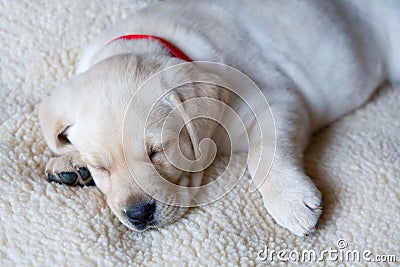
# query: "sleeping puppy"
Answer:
x=314 y=61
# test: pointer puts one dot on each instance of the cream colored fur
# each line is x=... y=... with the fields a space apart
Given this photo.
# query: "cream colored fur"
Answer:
x=314 y=61
x=354 y=163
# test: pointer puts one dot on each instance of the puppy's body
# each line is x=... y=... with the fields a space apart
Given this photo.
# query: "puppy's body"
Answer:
x=313 y=60
x=329 y=50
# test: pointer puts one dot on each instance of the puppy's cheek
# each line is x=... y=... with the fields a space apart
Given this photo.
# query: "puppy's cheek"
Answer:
x=101 y=183
x=168 y=215
x=170 y=174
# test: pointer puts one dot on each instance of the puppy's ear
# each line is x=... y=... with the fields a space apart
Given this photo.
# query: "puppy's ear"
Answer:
x=55 y=119
x=201 y=106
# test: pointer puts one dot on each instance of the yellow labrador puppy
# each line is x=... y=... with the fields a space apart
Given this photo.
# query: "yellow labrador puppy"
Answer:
x=313 y=60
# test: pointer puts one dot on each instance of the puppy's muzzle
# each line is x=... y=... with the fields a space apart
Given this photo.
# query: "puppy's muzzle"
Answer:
x=141 y=215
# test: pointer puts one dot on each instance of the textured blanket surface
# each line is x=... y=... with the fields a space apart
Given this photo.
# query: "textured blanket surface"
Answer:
x=355 y=162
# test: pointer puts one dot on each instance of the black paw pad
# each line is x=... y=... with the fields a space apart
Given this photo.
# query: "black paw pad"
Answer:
x=52 y=178
x=91 y=183
x=68 y=178
x=84 y=172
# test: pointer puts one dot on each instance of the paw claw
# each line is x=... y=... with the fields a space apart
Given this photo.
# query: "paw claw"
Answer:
x=308 y=235
x=51 y=177
x=315 y=207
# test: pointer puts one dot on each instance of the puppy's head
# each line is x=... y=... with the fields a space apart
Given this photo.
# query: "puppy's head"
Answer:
x=140 y=149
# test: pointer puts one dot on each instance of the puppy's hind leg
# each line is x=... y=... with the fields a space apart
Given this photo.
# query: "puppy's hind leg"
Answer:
x=68 y=169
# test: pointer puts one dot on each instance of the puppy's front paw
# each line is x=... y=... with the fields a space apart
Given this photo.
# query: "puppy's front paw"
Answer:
x=297 y=207
x=68 y=169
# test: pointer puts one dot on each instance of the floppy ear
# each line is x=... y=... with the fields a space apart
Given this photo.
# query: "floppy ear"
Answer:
x=55 y=119
x=201 y=106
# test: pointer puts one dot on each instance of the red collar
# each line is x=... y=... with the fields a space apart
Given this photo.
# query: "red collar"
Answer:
x=173 y=50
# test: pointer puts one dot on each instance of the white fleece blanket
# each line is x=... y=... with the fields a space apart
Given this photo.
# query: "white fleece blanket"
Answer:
x=355 y=162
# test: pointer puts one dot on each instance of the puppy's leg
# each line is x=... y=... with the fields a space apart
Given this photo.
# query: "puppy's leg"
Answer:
x=288 y=193
x=68 y=169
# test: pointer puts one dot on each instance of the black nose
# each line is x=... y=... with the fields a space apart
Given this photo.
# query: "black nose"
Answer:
x=140 y=214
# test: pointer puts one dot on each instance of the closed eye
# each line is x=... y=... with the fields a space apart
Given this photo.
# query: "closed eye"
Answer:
x=99 y=169
x=101 y=162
